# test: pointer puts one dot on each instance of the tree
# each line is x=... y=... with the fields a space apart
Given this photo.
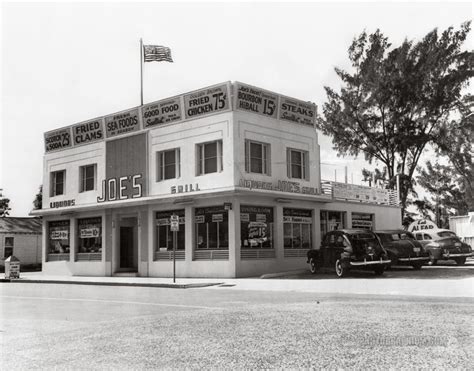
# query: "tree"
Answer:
x=4 y=205
x=396 y=101
x=38 y=201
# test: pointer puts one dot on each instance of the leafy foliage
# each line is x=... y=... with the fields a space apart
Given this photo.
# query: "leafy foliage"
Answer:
x=4 y=206
x=395 y=101
x=38 y=201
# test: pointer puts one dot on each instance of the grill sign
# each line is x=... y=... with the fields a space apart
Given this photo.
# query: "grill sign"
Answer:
x=162 y=112
x=206 y=101
x=297 y=111
x=58 y=139
x=88 y=132
x=122 y=123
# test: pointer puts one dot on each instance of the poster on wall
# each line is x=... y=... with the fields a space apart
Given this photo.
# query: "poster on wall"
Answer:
x=360 y=193
x=297 y=111
x=256 y=225
x=256 y=100
x=57 y=140
x=88 y=132
x=207 y=101
x=163 y=112
x=90 y=227
x=122 y=123
x=362 y=221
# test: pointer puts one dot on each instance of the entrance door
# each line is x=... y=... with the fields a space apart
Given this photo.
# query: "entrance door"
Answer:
x=126 y=247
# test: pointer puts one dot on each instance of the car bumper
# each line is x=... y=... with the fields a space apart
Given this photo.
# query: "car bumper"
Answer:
x=447 y=256
x=419 y=258
x=370 y=262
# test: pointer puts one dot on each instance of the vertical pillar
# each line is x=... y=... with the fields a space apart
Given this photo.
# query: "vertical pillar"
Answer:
x=278 y=234
x=142 y=243
x=151 y=238
x=317 y=228
x=44 y=241
x=188 y=234
x=107 y=242
x=234 y=237
x=348 y=217
x=72 y=239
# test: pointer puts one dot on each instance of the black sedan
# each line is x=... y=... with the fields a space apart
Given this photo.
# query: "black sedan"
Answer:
x=348 y=249
x=403 y=249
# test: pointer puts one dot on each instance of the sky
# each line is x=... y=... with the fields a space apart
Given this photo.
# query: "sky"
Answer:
x=62 y=63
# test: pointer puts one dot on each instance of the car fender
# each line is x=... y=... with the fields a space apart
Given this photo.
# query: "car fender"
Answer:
x=436 y=251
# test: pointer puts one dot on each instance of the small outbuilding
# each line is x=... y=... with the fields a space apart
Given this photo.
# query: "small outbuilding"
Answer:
x=21 y=237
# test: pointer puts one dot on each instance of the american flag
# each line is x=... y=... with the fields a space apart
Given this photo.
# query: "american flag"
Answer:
x=157 y=53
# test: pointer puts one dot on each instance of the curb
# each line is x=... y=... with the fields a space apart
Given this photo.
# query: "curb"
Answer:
x=132 y=284
x=282 y=274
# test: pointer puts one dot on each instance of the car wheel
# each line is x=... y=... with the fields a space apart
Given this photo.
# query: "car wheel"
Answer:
x=379 y=270
x=417 y=267
x=432 y=261
x=460 y=261
x=312 y=266
x=340 y=270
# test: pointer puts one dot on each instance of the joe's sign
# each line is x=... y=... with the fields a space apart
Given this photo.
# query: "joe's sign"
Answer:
x=121 y=188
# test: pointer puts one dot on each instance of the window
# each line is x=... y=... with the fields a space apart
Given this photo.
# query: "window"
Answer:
x=256 y=227
x=331 y=221
x=209 y=157
x=257 y=158
x=90 y=235
x=59 y=237
x=362 y=221
x=297 y=225
x=419 y=236
x=8 y=251
x=58 y=179
x=297 y=164
x=446 y=234
x=427 y=237
x=212 y=228
x=87 y=177
x=168 y=164
x=164 y=234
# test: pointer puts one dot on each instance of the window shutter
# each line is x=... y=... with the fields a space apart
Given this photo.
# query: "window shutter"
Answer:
x=247 y=156
x=306 y=165
x=288 y=164
x=268 y=159
x=198 y=159
x=178 y=163
x=220 y=165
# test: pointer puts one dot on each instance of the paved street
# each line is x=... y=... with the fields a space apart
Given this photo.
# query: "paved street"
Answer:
x=84 y=327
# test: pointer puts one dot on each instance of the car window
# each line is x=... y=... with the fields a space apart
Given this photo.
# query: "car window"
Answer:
x=331 y=239
x=384 y=237
x=446 y=234
x=395 y=236
x=407 y=236
x=427 y=237
x=419 y=236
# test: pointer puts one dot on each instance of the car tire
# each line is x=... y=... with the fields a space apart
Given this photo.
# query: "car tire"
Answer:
x=378 y=271
x=417 y=267
x=340 y=270
x=460 y=261
x=312 y=266
x=432 y=260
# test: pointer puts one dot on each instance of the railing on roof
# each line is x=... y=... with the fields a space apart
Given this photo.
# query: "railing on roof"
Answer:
x=357 y=193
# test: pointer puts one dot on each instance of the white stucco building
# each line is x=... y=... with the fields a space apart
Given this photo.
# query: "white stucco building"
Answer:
x=239 y=165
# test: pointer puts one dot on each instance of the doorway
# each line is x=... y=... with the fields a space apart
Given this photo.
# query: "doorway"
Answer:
x=128 y=245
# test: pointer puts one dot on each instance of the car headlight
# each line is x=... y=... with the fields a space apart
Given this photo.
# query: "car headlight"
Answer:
x=434 y=244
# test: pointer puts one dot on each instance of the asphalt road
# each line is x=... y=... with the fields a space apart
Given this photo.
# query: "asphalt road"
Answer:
x=46 y=326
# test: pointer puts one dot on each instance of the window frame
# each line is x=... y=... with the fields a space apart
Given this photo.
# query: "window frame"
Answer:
x=8 y=246
x=304 y=157
x=161 y=165
x=53 y=183
x=201 y=159
x=83 y=178
x=265 y=159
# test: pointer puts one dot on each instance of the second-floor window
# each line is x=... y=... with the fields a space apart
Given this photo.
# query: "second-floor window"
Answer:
x=257 y=157
x=297 y=164
x=58 y=179
x=168 y=164
x=209 y=157
x=87 y=175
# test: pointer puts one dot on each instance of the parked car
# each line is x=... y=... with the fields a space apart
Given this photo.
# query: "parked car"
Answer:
x=403 y=249
x=348 y=249
x=443 y=244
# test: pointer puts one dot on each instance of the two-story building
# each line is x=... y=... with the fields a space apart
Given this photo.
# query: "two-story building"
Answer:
x=238 y=165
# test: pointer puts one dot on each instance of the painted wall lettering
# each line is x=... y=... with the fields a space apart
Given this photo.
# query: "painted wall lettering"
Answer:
x=121 y=188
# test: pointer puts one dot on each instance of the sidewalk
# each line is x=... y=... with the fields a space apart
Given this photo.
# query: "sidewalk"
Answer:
x=462 y=287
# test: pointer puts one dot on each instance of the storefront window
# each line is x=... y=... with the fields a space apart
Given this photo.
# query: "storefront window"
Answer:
x=331 y=221
x=297 y=225
x=212 y=228
x=90 y=235
x=256 y=227
x=362 y=221
x=59 y=237
x=164 y=235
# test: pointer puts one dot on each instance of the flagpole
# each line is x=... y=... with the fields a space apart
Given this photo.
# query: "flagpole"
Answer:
x=141 y=71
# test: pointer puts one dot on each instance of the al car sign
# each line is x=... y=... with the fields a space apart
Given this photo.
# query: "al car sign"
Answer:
x=422 y=224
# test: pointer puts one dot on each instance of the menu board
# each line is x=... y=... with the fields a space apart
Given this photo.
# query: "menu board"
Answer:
x=122 y=123
x=88 y=132
x=206 y=101
x=256 y=100
x=297 y=216
x=57 y=140
x=90 y=227
x=297 y=111
x=163 y=112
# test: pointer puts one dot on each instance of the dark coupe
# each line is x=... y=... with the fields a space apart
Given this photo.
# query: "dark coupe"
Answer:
x=348 y=249
x=403 y=249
